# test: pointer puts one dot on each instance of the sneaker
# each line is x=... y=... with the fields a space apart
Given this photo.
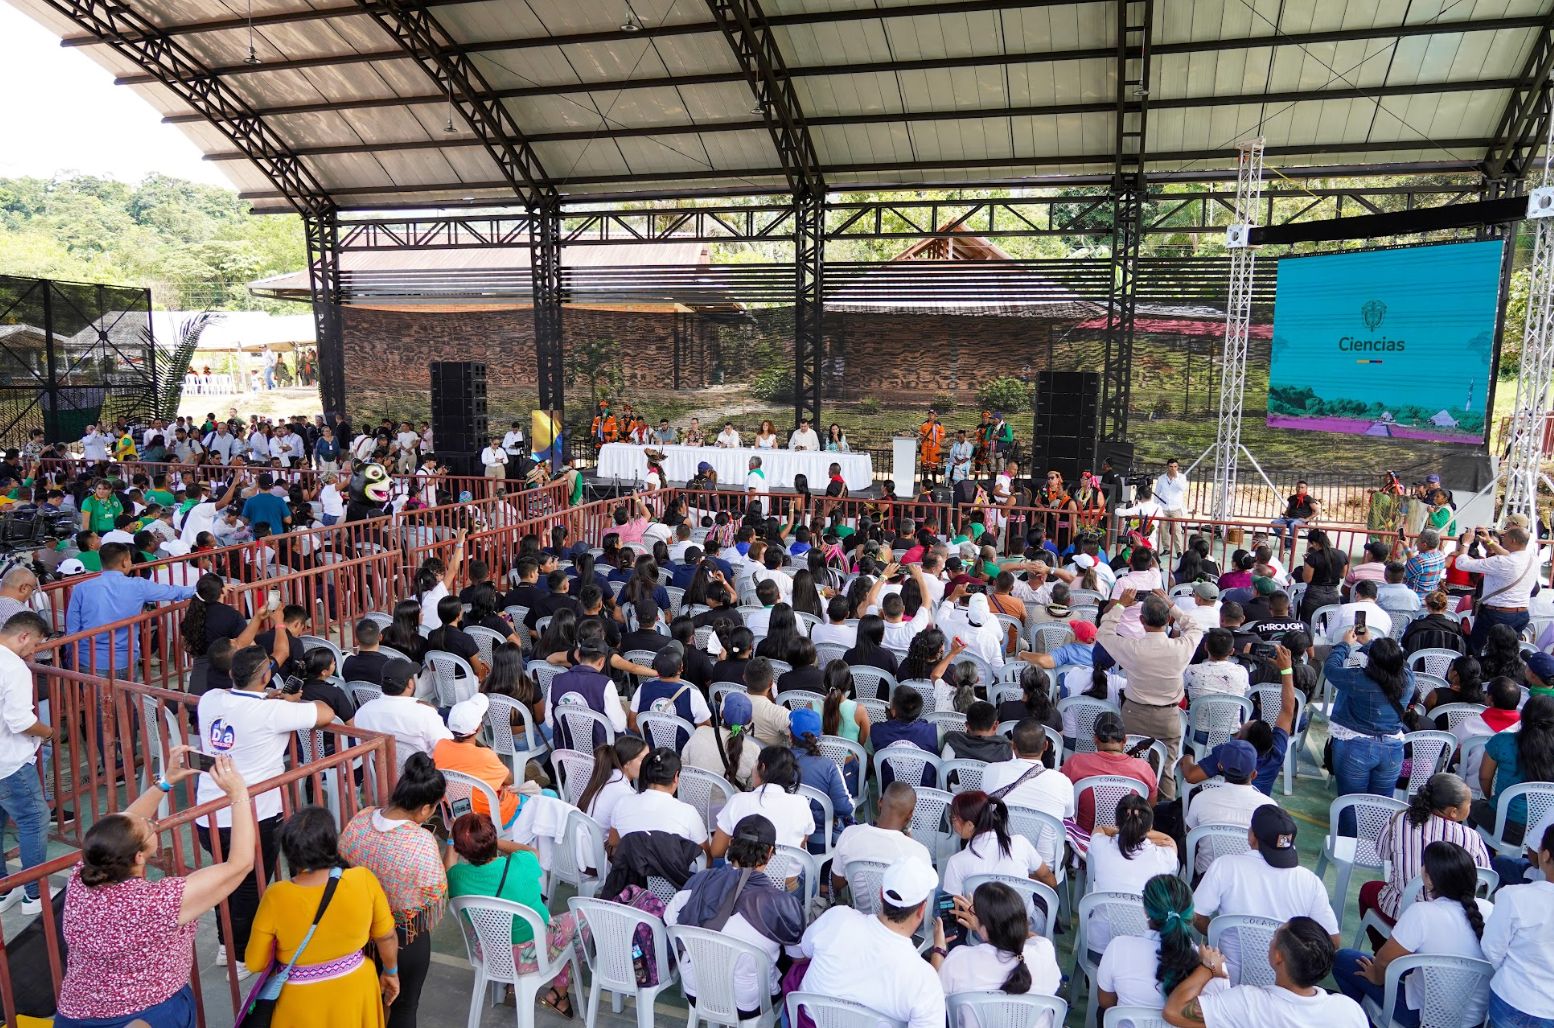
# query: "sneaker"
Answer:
x=243 y=973
x=31 y=907
x=221 y=956
x=11 y=898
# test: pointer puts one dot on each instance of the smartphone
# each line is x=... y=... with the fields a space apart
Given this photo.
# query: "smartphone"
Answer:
x=273 y=601
x=1359 y=621
x=292 y=686
x=202 y=761
x=954 y=931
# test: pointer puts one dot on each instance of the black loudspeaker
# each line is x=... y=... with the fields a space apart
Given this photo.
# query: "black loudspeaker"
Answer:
x=460 y=462
x=459 y=422
x=1067 y=424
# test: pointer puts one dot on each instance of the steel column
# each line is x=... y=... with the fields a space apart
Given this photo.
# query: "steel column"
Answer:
x=1525 y=121
x=323 y=239
x=545 y=274
x=808 y=306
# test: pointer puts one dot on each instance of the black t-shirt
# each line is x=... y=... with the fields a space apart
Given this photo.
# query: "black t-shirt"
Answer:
x=809 y=677
x=527 y=595
x=549 y=604
x=612 y=628
x=643 y=640
x=708 y=617
x=496 y=623
x=453 y=640
x=266 y=641
x=413 y=648
x=698 y=667
x=364 y=667
x=864 y=655
x=729 y=671
x=1327 y=567
x=1297 y=506
x=467 y=594
x=322 y=691
x=222 y=622
x=1273 y=629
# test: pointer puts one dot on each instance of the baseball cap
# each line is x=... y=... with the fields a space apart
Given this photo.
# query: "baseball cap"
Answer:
x=1433 y=479
x=1108 y=727
x=908 y=883
x=757 y=829
x=1084 y=560
x=1274 y=830
x=467 y=716
x=703 y=467
x=1084 y=631
x=397 y=673
x=737 y=709
x=71 y=566
x=1542 y=665
x=1237 y=758
x=1205 y=590
x=802 y=721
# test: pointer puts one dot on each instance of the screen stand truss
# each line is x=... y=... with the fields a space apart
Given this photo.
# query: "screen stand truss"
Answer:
x=1536 y=375
x=1227 y=448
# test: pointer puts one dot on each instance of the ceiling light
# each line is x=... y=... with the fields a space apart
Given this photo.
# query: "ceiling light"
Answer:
x=631 y=24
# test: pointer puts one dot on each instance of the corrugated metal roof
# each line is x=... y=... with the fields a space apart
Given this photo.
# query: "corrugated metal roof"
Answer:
x=959 y=91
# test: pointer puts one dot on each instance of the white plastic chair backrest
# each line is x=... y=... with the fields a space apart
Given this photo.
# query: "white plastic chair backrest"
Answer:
x=316 y=642
x=984 y=669
x=1010 y=673
x=363 y=692
x=706 y=791
x=1085 y=612
x=864 y=878
x=1109 y=791
x=1540 y=801
x=838 y=750
x=576 y=724
x=878 y=710
x=1253 y=934
x=665 y=730
x=966 y=775
x=573 y=769
x=931 y=818
x=779 y=667
x=485 y=640
x=582 y=849
x=827 y=1012
x=455 y=679
x=487 y=924
x=946 y=721
x=1371 y=815
x=1432 y=660
x=907 y=763
x=818 y=798
x=871 y=683
x=1134 y=1017
x=1050 y=636
x=643 y=657
x=715 y=955
x=152 y=722
x=1004 y=692
x=610 y=937
x=1214 y=841
x=1084 y=710
x=1044 y=831
x=1155 y=755
x=1041 y=902
x=499 y=726
x=1488 y=882
x=460 y=797
x=1218 y=715
x=1321 y=620
x=379 y=619
x=795 y=699
x=1123 y=911
x=392 y=654
x=790 y=862
x=825 y=653
x=517 y=614
x=1003 y=1010
x=1268 y=704
x=1445 y=983
x=1429 y=753
x=541 y=624
x=1456 y=714
x=718 y=690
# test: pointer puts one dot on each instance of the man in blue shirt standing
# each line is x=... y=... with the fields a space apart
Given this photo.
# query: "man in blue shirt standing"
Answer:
x=267 y=508
x=109 y=597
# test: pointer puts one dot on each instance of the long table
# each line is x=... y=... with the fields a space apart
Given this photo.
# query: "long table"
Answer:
x=625 y=461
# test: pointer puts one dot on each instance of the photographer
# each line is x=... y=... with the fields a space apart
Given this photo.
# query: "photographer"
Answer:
x=1510 y=570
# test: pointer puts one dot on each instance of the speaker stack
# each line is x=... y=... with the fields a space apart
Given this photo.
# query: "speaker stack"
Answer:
x=1068 y=412
x=460 y=429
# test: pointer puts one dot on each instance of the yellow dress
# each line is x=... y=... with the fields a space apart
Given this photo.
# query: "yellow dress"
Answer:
x=358 y=912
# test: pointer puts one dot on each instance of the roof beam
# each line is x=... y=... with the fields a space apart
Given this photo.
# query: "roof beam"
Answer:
x=166 y=61
x=1049 y=110
x=1524 y=123
x=984 y=60
x=614 y=35
x=425 y=41
x=1057 y=160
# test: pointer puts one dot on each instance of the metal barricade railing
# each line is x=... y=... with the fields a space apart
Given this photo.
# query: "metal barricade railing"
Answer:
x=359 y=773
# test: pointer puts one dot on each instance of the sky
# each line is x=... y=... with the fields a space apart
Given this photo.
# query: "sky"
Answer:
x=64 y=114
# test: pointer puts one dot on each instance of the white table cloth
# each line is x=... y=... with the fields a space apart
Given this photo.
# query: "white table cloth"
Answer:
x=625 y=461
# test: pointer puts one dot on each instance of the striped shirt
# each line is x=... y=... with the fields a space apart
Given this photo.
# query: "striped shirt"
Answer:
x=1403 y=843
x=1423 y=571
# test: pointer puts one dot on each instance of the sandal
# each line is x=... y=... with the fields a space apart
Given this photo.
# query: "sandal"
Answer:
x=560 y=1002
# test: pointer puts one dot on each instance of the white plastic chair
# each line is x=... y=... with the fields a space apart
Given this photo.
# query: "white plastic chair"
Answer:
x=907 y=763
x=520 y=745
x=827 y=1012
x=1134 y=1017
x=363 y=693
x=1109 y=791
x=1268 y=701
x=796 y=699
x=1488 y=882
x=872 y=683
x=573 y=769
x=1050 y=635
x=1003 y=1010
x=945 y=722
x=310 y=748
x=714 y=955
x=1124 y=913
x=1371 y=813
x=718 y=690
x=1014 y=631
x=487 y=925
x=452 y=677
x=1253 y=934
x=517 y=614
x=1432 y=660
x=582 y=852
x=825 y=824
x=460 y=798
x=485 y=640
x=1215 y=841
x=665 y=730
x=967 y=774
x=707 y=792
x=576 y=725
x=825 y=653
x=391 y=653
x=1041 y=902
x=1446 y=982
x=1455 y=714
x=1044 y=832
x=318 y=642
x=789 y=863
x=985 y=675
x=1217 y=716
x=1082 y=711
x=607 y=948
x=931 y=823
x=378 y=618
x=1429 y=753
x=1540 y=801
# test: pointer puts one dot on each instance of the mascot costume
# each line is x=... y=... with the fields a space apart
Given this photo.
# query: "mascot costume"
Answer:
x=369 y=492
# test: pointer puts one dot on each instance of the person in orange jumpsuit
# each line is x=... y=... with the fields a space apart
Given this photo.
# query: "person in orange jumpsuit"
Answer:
x=930 y=442
x=604 y=429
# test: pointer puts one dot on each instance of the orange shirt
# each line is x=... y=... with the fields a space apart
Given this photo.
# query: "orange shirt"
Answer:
x=478 y=762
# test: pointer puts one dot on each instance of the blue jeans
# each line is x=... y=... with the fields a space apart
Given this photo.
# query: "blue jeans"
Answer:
x=1291 y=525
x=1503 y=1015
x=21 y=800
x=1366 y=764
x=1487 y=618
x=1346 y=974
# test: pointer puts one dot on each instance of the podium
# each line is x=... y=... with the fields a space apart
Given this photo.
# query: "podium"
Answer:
x=903 y=465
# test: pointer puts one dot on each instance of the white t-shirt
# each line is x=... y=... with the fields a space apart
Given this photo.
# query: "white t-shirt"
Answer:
x=789 y=813
x=836 y=635
x=201 y=518
x=1048 y=791
x=603 y=808
x=429 y=602
x=657 y=811
x=255 y=733
x=1268 y=1006
x=983 y=857
x=872 y=843
x=332 y=503
x=1127 y=971
x=1235 y=807
x=853 y=956
x=1243 y=883
x=700 y=713
x=748 y=989
x=1516 y=941
x=983 y=968
x=414 y=725
x=1215 y=676
x=1110 y=871
x=1440 y=927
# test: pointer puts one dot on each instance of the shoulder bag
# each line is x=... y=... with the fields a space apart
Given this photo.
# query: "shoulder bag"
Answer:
x=259 y=1008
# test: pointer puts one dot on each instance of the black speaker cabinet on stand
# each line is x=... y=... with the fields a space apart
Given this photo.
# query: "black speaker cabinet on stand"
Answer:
x=460 y=428
x=1067 y=426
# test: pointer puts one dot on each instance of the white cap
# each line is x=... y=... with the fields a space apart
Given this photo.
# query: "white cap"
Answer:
x=908 y=883
x=1084 y=560
x=176 y=548
x=71 y=566
x=467 y=716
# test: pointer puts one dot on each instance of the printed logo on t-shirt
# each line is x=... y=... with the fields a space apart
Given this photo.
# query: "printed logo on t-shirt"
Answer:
x=663 y=705
x=572 y=699
x=222 y=736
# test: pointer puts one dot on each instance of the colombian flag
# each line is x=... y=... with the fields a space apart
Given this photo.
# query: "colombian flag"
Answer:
x=547 y=445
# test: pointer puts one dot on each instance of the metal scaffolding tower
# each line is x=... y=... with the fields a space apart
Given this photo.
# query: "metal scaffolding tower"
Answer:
x=1238 y=321
x=1537 y=370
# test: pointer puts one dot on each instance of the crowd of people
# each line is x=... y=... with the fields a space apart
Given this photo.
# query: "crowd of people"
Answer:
x=851 y=657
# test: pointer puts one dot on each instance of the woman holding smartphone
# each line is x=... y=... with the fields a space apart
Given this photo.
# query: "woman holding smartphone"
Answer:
x=131 y=939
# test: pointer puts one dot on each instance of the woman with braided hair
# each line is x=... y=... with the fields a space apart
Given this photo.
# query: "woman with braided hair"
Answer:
x=1141 y=970
x=1447 y=920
